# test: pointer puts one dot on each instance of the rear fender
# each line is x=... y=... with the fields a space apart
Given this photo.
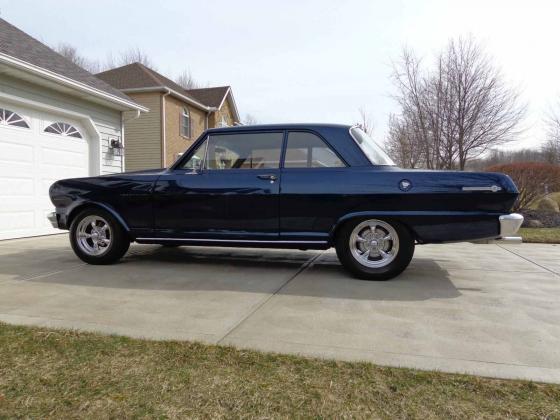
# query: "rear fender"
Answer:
x=400 y=217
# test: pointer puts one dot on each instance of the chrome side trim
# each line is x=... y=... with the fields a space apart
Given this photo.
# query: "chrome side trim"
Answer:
x=250 y=241
x=493 y=188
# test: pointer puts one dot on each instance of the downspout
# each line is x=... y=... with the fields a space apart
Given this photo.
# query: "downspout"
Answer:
x=163 y=140
x=123 y=120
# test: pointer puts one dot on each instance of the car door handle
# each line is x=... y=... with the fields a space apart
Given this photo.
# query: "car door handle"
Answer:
x=270 y=177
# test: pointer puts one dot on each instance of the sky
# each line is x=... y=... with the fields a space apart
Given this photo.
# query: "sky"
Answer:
x=310 y=60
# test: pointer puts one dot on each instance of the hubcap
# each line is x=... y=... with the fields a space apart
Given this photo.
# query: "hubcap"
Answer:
x=374 y=243
x=94 y=235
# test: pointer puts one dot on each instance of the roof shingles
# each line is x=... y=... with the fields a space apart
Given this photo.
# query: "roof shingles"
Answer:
x=138 y=76
x=212 y=96
x=19 y=45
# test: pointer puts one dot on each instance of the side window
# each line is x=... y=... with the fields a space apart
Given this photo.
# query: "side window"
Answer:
x=196 y=160
x=186 y=123
x=306 y=150
x=244 y=151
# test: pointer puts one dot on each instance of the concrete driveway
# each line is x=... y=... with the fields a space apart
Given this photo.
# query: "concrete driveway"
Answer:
x=483 y=309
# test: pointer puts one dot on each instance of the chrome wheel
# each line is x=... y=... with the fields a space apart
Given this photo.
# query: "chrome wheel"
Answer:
x=94 y=235
x=374 y=243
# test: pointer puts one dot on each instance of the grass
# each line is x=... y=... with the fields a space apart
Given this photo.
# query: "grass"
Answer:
x=59 y=374
x=540 y=235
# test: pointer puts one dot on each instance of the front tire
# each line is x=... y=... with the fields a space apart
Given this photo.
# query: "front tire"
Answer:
x=374 y=249
x=97 y=238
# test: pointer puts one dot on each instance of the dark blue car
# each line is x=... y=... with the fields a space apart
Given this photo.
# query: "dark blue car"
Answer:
x=303 y=186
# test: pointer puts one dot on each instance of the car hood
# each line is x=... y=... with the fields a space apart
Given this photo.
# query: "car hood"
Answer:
x=158 y=171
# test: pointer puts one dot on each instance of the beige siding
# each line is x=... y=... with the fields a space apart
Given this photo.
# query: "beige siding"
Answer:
x=175 y=143
x=143 y=135
x=225 y=113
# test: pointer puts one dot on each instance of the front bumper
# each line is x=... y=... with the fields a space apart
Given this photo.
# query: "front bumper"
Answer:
x=509 y=225
x=53 y=218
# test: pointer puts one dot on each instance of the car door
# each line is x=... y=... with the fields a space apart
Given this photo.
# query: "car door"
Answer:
x=227 y=189
x=314 y=177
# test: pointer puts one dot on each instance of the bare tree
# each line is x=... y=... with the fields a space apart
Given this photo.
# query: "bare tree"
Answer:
x=457 y=109
x=403 y=145
x=186 y=80
x=551 y=147
x=366 y=121
x=249 y=120
x=71 y=53
x=132 y=55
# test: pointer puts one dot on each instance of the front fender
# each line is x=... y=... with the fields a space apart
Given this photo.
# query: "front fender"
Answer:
x=66 y=218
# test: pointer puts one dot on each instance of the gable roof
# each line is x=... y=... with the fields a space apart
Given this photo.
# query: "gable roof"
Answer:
x=137 y=76
x=213 y=96
x=18 y=45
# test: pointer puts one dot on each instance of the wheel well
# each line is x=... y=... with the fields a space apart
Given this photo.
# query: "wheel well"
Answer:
x=85 y=206
x=387 y=219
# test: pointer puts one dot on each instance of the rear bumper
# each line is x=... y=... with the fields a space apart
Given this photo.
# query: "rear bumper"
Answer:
x=509 y=225
x=53 y=218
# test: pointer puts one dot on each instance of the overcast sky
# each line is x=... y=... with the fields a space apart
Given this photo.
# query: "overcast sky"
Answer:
x=309 y=61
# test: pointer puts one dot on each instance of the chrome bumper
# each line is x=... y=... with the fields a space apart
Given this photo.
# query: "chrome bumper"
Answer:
x=53 y=219
x=509 y=225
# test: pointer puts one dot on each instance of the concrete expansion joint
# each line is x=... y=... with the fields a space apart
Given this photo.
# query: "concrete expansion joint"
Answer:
x=531 y=261
x=305 y=266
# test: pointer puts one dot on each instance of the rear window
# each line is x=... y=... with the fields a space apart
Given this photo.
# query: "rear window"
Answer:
x=371 y=149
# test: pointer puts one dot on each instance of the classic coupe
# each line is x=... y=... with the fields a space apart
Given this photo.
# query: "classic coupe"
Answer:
x=302 y=186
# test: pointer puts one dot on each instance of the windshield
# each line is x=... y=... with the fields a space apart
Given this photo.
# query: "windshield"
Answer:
x=372 y=150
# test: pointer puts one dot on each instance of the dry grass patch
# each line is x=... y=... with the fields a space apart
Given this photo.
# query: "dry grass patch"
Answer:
x=59 y=374
x=540 y=235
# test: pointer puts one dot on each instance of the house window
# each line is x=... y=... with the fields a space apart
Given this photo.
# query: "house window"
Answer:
x=186 y=123
x=223 y=122
x=11 y=118
x=63 y=129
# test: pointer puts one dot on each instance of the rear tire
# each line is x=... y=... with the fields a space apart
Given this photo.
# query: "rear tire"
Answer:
x=374 y=249
x=97 y=238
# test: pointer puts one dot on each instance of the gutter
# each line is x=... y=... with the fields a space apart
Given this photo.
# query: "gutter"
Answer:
x=172 y=92
x=66 y=81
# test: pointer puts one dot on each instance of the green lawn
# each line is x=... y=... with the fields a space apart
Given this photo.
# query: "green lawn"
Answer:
x=540 y=235
x=60 y=374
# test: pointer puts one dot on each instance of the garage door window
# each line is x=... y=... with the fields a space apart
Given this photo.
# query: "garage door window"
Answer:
x=63 y=129
x=12 y=119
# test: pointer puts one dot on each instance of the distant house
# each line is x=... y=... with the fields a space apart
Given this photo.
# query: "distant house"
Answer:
x=176 y=118
x=56 y=121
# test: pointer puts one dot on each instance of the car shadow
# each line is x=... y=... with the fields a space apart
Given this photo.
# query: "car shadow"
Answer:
x=238 y=270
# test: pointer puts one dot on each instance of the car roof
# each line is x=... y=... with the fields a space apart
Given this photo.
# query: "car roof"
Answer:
x=285 y=126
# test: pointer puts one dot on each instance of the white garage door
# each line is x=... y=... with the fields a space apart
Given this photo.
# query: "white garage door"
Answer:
x=36 y=149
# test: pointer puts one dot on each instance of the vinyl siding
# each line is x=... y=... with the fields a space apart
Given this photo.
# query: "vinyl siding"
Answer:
x=106 y=120
x=143 y=135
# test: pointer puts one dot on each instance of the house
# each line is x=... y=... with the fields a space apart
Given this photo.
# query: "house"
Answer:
x=56 y=121
x=176 y=118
